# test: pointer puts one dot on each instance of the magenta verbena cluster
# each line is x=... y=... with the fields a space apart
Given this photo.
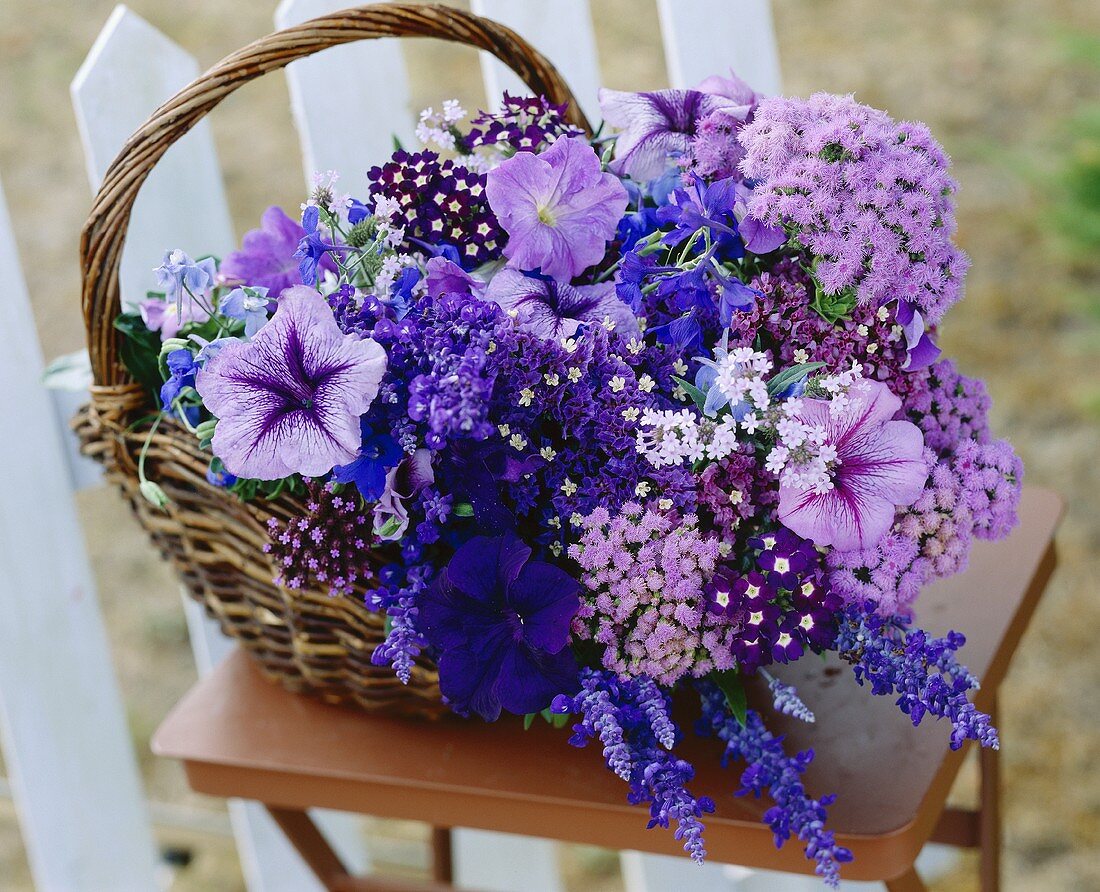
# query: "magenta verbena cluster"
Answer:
x=598 y=422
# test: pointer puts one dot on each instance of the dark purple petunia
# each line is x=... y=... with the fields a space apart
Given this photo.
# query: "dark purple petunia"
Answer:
x=655 y=128
x=266 y=258
x=556 y=310
x=501 y=624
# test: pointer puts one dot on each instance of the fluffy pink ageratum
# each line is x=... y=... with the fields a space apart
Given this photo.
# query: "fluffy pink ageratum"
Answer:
x=991 y=476
x=645 y=571
x=870 y=198
x=929 y=539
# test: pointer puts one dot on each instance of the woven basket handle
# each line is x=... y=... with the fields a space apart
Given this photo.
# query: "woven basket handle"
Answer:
x=104 y=234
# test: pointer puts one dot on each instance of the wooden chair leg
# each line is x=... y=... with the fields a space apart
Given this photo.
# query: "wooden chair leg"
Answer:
x=311 y=845
x=909 y=881
x=442 y=856
x=989 y=819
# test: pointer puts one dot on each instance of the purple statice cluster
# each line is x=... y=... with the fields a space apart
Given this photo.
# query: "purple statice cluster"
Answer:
x=323 y=546
x=645 y=570
x=521 y=124
x=438 y=201
x=592 y=420
x=894 y=658
x=630 y=718
x=869 y=198
x=770 y=768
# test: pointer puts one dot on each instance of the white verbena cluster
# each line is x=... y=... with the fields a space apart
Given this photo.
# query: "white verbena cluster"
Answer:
x=669 y=437
x=436 y=129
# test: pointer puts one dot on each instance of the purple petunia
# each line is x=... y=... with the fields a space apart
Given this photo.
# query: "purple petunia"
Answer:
x=289 y=400
x=559 y=208
x=501 y=624
x=556 y=310
x=880 y=466
x=656 y=128
x=266 y=258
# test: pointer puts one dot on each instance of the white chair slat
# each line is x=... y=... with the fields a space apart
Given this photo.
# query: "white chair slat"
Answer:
x=704 y=37
x=562 y=31
x=349 y=102
x=62 y=724
x=131 y=69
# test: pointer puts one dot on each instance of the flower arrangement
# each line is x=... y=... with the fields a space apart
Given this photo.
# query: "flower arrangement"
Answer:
x=599 y=421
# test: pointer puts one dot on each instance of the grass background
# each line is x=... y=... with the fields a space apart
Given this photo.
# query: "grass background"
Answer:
x=1011 y=87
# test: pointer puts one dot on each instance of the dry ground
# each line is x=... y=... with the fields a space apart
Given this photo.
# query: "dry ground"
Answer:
x=997 y=81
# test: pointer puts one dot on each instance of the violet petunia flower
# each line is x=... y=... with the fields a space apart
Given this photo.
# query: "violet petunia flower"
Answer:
x=559 y=208
x=289 y=400
x=555 y=310
x=879 y=467
x=657 y=127
x=266 y=258
x=447 y=277
x=169 y=317
x=731 y=87
x=501 y=624
x=921 y=350
x=403 y=483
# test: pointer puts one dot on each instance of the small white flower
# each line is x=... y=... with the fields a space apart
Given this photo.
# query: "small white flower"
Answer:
x=608 y=323
x=680 y=367
x=574 y=374
x=555 y=549
x=635 y=346
x=576 y=518
x=801 y=356
x=664 y=504
x=551 y=379
x=631 y=414
x=737 y=497
x=517 y=442
x=617 y=383
x=554 y=522
x=505 y=430
x=646 y=384
x=750 y=423
x=526 y=396
x=642 y=489
x=569 y=344
x=569 y=487
x=548 y=453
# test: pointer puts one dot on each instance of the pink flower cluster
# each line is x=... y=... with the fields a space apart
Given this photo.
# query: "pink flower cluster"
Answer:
x=974 y=493
x=325 y=545
x=645 y=570
x=869 y=197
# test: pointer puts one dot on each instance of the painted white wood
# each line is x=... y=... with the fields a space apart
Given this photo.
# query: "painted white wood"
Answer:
x=68 y=378
x=130 y=70
x=62 y=724
x=504 y=862
x=562 y=31
x=705 y=37
x=349 y=102
x=267 y=861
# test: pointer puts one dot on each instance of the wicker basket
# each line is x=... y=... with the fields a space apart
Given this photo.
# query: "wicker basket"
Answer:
x=309 y=641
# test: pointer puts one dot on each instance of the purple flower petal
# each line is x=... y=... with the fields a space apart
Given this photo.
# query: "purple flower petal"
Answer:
x=555 y=310
x=485 y=567
x=289 y=400
x=547 y=598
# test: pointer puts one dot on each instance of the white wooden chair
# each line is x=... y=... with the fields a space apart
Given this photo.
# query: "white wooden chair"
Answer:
x=64 y=734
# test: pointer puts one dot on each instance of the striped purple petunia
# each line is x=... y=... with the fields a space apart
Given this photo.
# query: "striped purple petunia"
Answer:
x=289 y=401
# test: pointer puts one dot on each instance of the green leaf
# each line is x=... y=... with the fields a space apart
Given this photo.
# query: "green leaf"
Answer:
x=730 y=684
x=390 y=527
x=697 y=396
x=529 y=720
x=787 y=377
x=560 y=719
x=463 y=509
x=140 y=351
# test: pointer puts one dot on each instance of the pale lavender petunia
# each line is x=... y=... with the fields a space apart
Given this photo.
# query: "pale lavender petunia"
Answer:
x=555 y=309
x=266 y=258
x=168 y=317
x=731 y=87
x=880 y=467
x=559 y=208
x=403 y=483
x=657 y=127
x=289 y=400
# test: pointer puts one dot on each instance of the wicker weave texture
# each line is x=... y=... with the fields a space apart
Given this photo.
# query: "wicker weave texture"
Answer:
x=309 y=641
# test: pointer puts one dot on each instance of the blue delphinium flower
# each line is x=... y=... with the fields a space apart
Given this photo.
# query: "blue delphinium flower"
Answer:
x=500 y=622
x=180 y=276
x=377 y=455
x=181 y=374
x=768 y=767
x=895 y=658
x=312 y=249
x=250 y=305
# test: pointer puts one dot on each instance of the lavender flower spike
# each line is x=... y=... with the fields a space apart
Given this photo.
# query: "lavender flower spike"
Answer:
x=559 y=208
x=289 y=400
